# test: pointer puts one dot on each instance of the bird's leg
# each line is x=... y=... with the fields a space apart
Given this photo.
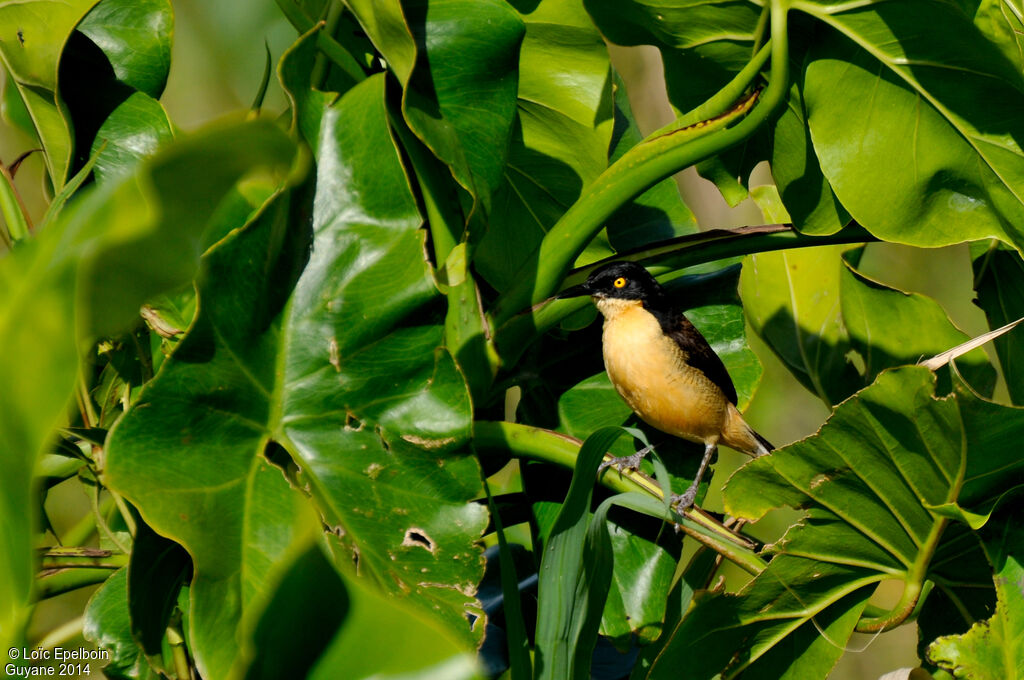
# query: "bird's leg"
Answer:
x=684 y=500
x=627 y=462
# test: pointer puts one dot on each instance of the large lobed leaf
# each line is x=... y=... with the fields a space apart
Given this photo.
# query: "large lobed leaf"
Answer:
x=65 y=288
x=815 y=309
x=870 y=482
x=342 y=377
x=933 y=104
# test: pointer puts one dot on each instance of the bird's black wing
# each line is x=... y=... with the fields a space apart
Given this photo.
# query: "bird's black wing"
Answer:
x=699 y=352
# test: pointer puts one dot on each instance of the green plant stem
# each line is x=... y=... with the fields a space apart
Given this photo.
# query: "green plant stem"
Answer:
x=320 y=63
x=12 y=209
x=85 y=401
x=126 y=514
x=540 y=444
x=325 y=41
x=81 y=558
x=65 y=580
x=101 y=522
x=914 y=587
x=176 y=641
x=640 y=168
x=62 y=634
x=663 y=257
x=722 y=100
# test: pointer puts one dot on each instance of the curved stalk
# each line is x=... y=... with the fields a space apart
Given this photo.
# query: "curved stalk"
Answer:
x=641 y=167
x=660 y=258
x=545 y=445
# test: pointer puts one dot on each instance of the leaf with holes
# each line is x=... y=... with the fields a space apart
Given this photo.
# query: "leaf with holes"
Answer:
x=319 y=352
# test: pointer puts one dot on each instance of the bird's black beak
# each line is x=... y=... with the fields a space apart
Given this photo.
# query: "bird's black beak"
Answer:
x=575 y=291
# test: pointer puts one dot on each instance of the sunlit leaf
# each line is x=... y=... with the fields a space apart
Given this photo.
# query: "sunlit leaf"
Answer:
x=993 y=649
x=337 y=375
x=107 y=625
x=32 y=37
x=136 y=37
x=872 y=101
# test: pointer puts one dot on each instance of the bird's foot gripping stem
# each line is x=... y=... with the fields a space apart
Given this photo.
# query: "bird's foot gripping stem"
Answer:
x=680 y=502
x=621 y=463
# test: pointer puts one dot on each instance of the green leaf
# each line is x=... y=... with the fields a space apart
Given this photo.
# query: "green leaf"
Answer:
x=135 y=130
x=340 y=380
x=1000 y=22
x=136 y=37
x=792 y=301
x=815 y=309
x=807 y=195
x=374 y=621
x=310 y=592
x=659 y=213
x=179 y=193
x=567 y=619
x=146 y=228
x=32 y=37
x=868 y=481
x=294 y=71
x=108 y=626
x=891 y=328
x=461 y=96
x=702 y=44
x=934 y=105
x=560 y=139
x=993 y=475
x=999 y=283
x=992 y=649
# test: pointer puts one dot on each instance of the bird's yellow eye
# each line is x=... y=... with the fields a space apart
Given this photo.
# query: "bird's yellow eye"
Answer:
x=619 y=282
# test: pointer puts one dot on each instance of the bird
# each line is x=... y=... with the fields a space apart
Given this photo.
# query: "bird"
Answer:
x=664 y=369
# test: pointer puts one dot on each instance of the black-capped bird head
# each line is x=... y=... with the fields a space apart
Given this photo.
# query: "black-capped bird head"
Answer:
x=621 y=281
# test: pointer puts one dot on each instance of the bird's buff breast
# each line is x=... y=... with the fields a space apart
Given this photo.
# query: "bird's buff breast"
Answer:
x=650 y=372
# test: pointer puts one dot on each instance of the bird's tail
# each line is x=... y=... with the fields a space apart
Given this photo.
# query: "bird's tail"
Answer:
x=739 y=435
x=765 y=446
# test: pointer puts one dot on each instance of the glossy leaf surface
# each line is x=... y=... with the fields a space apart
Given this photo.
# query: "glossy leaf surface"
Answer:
x=867 y=483
x=107 y=625
x=560 y=139
x=32 y=37
x=136 y=37
x=65 y=289
x=943 y=82
x=342 y=376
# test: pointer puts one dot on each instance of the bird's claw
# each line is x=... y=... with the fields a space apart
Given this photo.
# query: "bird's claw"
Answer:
x=631 y=463
x=680 y=502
